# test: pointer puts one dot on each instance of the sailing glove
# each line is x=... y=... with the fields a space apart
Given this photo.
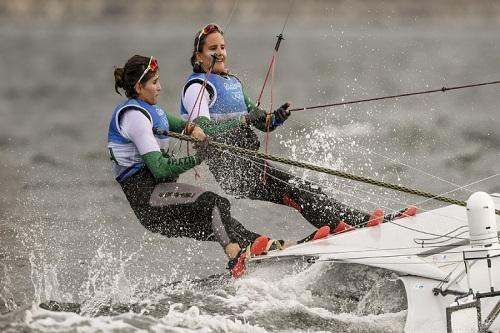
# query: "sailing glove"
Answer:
x=256 y=116
x=281 y=114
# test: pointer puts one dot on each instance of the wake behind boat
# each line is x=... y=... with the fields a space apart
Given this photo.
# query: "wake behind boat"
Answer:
x=448 y=260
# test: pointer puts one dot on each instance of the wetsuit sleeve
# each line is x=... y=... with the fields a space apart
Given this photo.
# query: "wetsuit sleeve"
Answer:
x=250 y=104
x=248 y=101
x=167 y=167
x=176 y=124
x=138 y=128
x=215 y=128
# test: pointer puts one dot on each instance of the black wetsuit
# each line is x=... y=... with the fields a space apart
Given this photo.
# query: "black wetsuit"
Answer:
x=148 y=179
x=240 y=176
x=182 y=210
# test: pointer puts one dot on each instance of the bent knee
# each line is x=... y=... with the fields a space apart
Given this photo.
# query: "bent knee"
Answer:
x=212 y=199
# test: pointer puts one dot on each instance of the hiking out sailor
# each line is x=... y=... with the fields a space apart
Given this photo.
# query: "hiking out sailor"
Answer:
x=148 y=175
x=224 y=102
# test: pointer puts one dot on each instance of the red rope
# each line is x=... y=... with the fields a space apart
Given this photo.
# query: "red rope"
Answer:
x=199 y=97
x=269 y=114
x=198 y=100
x=271 y=66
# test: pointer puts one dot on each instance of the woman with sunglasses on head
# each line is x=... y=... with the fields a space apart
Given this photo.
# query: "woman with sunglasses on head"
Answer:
x=222 y=103
x=148 y=175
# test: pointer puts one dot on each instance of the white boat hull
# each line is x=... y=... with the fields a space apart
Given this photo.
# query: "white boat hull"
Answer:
x=426 y=251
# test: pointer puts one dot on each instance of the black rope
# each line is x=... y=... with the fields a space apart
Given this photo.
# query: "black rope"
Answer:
x=280 y=36
x=443 y=89
x=290 y=6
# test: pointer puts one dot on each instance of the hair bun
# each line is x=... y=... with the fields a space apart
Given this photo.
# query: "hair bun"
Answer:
x=119 y=74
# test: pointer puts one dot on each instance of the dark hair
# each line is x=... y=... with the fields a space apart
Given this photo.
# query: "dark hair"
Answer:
x=126 y=77
x=199 y=42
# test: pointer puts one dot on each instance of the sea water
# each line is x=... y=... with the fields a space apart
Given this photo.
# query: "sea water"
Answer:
x=69 y=236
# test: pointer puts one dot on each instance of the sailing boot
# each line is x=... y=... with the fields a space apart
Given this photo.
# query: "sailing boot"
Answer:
x=376 y=218
x=342 y=227
x=238 y=264
x=322 y=232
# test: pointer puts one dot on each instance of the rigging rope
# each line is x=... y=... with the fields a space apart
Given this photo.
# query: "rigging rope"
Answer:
x=199 y=99
x=418 y=204
x=338 y=173
x=422 y=242
x=228 y=21
x=361 y=225
x=443 y=89
x=276 y=48
x=388 y=158
x=270 y=71
x=463 y=187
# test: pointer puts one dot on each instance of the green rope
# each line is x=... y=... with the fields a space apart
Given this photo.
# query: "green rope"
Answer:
x=255 y=153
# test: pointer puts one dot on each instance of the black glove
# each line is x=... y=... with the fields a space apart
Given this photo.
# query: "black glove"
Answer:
x=282 y=113
x=203 y=149
x=256 y=116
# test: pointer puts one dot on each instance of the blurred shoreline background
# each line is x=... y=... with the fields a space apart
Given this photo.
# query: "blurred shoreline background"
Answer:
x=487 y=12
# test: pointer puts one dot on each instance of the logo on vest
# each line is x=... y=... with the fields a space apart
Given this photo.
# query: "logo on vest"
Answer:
x=159 y=111
x=238 y=96
x=231 y=86
x=170 y=195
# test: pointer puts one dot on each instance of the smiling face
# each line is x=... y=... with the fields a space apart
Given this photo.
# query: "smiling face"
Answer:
x=213 y=44
x=149 y=90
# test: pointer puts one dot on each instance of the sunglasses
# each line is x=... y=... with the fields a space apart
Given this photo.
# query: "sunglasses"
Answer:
x=208 y=29
x=152 y=66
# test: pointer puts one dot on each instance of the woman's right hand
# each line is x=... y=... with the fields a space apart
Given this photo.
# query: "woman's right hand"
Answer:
x=197 y=133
